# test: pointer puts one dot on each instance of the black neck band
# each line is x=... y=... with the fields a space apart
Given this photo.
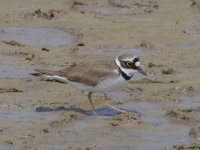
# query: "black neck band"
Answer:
x=125 y=76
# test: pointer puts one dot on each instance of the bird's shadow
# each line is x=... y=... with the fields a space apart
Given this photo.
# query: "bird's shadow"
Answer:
x=104 y=111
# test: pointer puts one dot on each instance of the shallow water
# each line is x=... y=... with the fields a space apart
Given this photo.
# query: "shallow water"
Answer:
x=9 y=59
x=186 y=46
x=15 y=72
x=37 y=36
x=6 y=148
x=190 y=101
x=165 y=133
x=21 y=115
x=160 y=133
x=113 y=11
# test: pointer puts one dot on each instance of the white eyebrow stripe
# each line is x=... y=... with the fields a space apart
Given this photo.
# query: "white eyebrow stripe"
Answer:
x=129 y=59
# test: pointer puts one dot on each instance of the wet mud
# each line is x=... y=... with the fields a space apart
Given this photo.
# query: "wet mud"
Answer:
x=38 y=114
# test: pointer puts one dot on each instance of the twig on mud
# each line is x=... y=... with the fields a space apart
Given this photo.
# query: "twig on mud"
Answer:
x=4 y=90
x=146 y=80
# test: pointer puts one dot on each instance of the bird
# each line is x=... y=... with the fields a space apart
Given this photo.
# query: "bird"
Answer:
x=98 y=76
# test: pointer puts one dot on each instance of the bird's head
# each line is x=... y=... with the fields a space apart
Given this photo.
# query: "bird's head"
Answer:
x=129 y=65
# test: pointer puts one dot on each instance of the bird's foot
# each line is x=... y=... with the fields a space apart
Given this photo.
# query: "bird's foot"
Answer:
x=95 y=113
x=122 y=110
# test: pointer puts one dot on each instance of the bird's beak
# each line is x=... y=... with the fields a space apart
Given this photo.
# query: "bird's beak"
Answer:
x=142 y=71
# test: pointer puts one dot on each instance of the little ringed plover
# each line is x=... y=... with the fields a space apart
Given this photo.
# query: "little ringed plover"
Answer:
x=102 y=77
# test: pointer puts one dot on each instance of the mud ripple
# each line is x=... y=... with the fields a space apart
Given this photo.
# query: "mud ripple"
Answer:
x=116 y=7
x=195 y=132
x=186 y=147
x=48 y=15
x=188 y=115
x=125 y=120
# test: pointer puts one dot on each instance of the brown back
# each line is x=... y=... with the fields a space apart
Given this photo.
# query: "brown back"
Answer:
x=90 y=74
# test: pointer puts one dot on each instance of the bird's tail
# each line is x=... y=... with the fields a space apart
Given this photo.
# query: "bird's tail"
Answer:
x=51 y=75
x=39 y=72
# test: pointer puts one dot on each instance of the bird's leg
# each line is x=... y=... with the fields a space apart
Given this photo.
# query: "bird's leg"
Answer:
x=91 y=103
x=113 y=107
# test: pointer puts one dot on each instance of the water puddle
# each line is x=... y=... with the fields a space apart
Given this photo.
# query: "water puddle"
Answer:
x=37 y=36
x=21 y=115
x=116 y=7
x=193 y=45
x=164 y=133
x=6 y=148
x=190 y=101
x=114 y=11
x=160 y=133
x=100 y=111
x=9 y=59
x=15 y=72
x=114 y=52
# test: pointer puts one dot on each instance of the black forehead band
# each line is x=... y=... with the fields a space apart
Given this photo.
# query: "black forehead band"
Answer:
x=135 y=60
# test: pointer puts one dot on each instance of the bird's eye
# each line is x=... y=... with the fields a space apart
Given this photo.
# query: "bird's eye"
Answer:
x=129 y=64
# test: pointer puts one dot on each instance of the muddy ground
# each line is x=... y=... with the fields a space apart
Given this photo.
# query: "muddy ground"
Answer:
x=44 y=115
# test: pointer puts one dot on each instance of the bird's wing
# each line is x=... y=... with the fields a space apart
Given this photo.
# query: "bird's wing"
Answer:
x=89 y=74
x=92 y=75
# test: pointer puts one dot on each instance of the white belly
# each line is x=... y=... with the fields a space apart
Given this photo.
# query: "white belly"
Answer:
x=111 y=84
x=103 y=87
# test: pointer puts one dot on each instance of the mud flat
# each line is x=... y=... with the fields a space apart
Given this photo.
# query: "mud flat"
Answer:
x=36 y=114
x=37 y=36
x=115 y=52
